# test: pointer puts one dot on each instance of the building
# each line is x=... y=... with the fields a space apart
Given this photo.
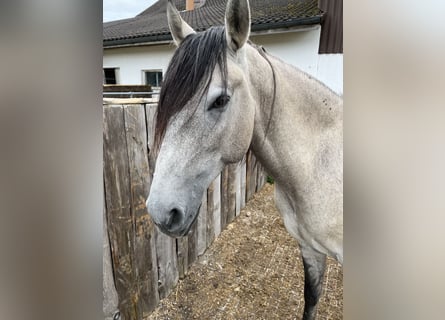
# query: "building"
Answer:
x=305 y=33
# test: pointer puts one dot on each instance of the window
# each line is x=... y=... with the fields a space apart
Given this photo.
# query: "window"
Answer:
x=153 y=78
x=110 y=75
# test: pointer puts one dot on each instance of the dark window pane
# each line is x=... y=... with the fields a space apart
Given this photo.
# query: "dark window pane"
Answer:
x=150 y=78
x=153 y=78
x=110 y=76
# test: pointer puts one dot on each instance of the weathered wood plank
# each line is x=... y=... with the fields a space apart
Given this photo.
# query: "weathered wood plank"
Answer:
x=232 y=185
x=224 y=196
x=242 y=174
x=254 y=173
x=168 y=273
x=238 y=189
x=117 y=197
x=250 y=175
x=144 y=265
x=193 y=242
x=150 y=113
x=258 y=177
x=261 y=176
x=152 y=295
x=110 y=297
x=217 y=205
x=126 y=91
x=182 y=245
x=210 y=230
x=202 y=226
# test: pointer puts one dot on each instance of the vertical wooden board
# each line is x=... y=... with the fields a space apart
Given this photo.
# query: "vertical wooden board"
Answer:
x=110 y=298
x=210 y=225
x=248 y=162
x=182 y=252
x=167 y=263
x=257 y=185
x=155 y=264
x=150 y=292
x=193 y=242
x=242 y=184
x=224 y=196
x=150 y=114
x=117 y=186
x=117 y=197
x=262 y=176
x=250 y=177
x=231 y=191
x=237 y=183
x=145 y=267
x=253 y=175
x=258 y=177
x=202 y=226
x=217 y=205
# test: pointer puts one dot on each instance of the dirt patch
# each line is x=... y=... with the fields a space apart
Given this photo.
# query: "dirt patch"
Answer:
x=252 y=271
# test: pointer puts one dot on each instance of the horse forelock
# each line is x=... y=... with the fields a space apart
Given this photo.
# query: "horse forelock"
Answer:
x=189 y=71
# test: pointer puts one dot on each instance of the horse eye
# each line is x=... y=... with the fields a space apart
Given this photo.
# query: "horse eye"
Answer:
x=220 y=102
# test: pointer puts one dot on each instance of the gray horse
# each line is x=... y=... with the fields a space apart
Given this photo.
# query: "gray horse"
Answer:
x=223 y=95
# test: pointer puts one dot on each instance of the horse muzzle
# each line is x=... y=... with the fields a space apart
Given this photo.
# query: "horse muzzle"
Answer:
x=174 y=221
x=170 y=220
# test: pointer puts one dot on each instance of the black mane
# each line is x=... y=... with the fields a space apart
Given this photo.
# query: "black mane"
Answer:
x=190 y=68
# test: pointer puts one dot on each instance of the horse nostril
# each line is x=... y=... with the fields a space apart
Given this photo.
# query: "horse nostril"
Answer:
x=174 y=218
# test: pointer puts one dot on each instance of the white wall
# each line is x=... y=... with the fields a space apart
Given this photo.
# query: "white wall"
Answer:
x=330 y=71
x=299 y=48
x=132 y=60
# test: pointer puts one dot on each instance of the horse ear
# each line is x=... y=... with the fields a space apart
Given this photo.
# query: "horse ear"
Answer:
x=237 y=23
x=178 y=27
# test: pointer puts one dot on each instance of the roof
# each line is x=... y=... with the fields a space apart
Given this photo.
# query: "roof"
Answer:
x=151 y=26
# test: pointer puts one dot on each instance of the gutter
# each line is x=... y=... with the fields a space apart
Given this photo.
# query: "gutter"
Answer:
x=261 y=28
x=138 y=41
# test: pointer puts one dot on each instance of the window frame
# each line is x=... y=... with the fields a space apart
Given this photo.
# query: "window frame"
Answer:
x=144 y=77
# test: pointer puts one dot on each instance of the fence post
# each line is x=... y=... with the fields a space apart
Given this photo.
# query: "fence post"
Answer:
x=144 y=255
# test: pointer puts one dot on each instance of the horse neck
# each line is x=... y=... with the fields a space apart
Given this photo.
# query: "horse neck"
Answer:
x=302 y=112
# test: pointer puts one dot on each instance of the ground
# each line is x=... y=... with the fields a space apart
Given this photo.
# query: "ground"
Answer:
x=253 y=270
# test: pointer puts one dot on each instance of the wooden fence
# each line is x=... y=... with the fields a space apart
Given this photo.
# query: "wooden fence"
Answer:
x=147 y=264
x=126 y=91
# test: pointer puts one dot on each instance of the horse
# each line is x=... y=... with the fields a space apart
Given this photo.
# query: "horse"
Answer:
x=222 y=95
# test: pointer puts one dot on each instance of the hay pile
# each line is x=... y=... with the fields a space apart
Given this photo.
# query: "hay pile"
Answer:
x=252 y=271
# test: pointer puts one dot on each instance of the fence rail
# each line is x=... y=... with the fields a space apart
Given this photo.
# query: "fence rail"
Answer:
x=146 y=263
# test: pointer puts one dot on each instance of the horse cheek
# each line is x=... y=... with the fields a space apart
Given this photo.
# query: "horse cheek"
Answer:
x=240 y=131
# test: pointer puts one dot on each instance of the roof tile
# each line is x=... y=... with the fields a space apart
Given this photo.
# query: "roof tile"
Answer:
x=151 y=24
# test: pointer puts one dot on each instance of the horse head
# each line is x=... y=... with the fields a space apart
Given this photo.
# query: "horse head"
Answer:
x=205 y=115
